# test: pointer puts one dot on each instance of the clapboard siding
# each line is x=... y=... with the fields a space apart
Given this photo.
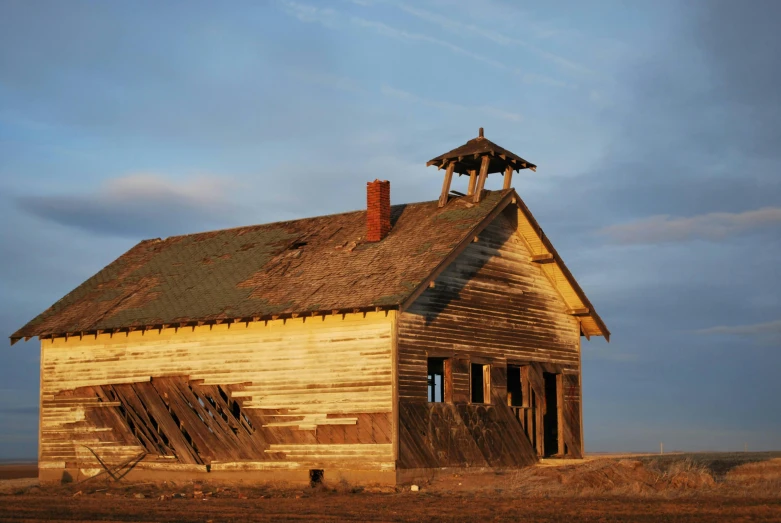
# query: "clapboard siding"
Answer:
x=492 y=304
x=322 y=381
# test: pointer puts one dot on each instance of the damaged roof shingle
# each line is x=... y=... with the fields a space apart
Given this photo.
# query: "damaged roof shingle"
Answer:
x=313 y=264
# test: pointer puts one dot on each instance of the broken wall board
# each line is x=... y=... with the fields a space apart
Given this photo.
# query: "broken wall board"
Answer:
x=319 y=380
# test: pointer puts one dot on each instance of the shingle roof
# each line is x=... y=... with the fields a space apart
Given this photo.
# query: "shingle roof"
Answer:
x=468 y=157
x=308 y=265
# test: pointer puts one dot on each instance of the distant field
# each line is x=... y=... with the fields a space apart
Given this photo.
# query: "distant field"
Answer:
x=15 y=471
x=692 y=487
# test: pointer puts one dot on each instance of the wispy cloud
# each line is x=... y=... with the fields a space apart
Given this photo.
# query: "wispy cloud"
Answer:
x=333 y=19
x=309 y=13
x=448 y=106
x=769 y=331
x=711 y=226
x=140 y=204
x=461 y=28
x=392 y=32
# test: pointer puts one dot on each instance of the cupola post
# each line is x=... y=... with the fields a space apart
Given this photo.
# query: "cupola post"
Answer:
x=478 y=158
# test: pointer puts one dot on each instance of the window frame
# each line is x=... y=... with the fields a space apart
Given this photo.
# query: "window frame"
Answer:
x=447 y=378
x=486 y=382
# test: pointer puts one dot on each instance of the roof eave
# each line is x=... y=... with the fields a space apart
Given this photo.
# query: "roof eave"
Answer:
x=603 y=330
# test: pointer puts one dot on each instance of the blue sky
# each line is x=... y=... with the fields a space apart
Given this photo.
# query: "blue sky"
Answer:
x=654 y=126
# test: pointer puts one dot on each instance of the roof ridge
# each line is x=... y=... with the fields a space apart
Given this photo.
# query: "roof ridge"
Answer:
x=283 y=222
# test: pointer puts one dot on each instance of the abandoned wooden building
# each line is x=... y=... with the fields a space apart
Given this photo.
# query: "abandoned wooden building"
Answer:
x=378 y=346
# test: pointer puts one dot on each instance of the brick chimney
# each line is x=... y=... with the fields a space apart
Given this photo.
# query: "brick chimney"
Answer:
x=377 y=210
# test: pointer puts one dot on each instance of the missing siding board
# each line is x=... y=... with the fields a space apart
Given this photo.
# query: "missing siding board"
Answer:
x=187 y=420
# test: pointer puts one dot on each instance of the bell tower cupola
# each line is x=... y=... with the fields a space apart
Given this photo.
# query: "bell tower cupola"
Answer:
x=478 y=158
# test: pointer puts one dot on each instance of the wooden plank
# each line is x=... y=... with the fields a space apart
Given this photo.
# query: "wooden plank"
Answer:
x=395 y=379
x=543 y=258
x=176 y=441
x=580 y=398
x=448 y=377
x=560 y=412
x=446 y=184
x=487 y=383
x=472 y=182
x=481 y=179
x=508 y=177
x=539 y=410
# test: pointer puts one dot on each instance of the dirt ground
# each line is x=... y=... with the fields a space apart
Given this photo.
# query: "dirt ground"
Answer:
x=683 y=488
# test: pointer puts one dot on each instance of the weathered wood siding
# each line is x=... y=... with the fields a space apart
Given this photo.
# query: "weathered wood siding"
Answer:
x=491 y=305
x=315 y=392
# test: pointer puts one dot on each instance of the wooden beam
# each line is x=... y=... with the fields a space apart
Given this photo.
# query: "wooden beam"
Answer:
x=481 y=179
x=446 y=184
x=603 y=330
x=579 y=312
x=583 y=332
x=472 y=182
x=508 y=177
x=539 y=411
x=487 y=384
x=543 y=258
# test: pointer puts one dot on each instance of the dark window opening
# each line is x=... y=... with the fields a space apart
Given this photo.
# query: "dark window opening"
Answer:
x=315 y=477
x=480 y=382
x=514 y=386
x=436 y=380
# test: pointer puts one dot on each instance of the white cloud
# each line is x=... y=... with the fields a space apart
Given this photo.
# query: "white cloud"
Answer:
x=770 y=327
x=140 y=205
x=202 y=190
x=308 y=13
x=447 y=106
x=768 y=331
x=711 y=226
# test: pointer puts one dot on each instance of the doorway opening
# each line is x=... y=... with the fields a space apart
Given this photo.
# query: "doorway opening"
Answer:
x=315 y=477
x=550 y=420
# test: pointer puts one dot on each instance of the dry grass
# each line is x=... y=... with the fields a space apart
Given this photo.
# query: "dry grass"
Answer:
x=683 y=475
x=748 y=476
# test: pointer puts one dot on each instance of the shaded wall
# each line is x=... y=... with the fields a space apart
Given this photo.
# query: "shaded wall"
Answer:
x=491 y=305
